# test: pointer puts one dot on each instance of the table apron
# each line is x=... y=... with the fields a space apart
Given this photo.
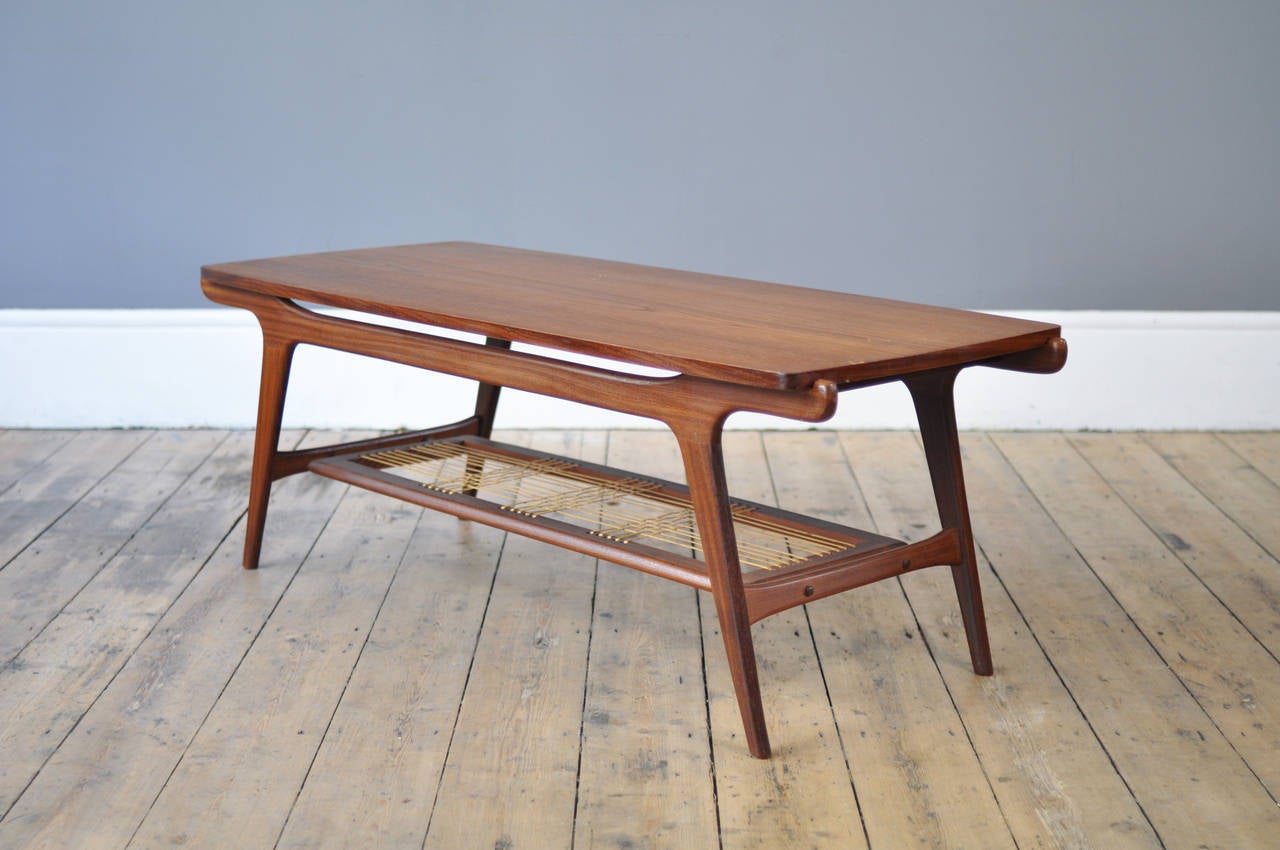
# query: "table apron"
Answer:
x=679 y=400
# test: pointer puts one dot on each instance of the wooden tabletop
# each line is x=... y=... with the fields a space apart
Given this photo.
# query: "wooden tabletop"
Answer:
x=742 y=331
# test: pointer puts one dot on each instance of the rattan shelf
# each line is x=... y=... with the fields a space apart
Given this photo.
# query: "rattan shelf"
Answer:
x=632 y=519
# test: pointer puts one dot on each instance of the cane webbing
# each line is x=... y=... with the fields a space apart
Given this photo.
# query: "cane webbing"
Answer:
x=623 y=510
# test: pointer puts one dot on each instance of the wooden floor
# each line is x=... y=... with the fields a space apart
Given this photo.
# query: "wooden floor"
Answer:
x=394 y=678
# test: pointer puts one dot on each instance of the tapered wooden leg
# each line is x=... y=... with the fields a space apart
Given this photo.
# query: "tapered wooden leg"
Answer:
x=486 y=410
x=487 y=394
x=277 y=355
x=935 y=409
x=704 y=466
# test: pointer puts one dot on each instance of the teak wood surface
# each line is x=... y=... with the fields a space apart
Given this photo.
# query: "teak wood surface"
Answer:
x=734 y=344
x=727 y=329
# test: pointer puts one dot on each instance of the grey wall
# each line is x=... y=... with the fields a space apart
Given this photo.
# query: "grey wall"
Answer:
x=990 y=154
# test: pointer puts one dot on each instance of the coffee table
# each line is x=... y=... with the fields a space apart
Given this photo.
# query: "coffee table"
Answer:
x=724 y=345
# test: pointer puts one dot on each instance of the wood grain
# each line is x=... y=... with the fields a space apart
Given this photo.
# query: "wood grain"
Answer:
x=1085 y=728
x=99 y=785
x=21 y=451
x=236 y=782
x=46 y=576
x=1261 y=449
x=1190 y=781
x=752 y=333
x=1233 y=676
x=510 y=778
x=52 y=487
x=802 y=797
x=58 y=675
x=645 y=779
x=374 y=779
x=1228 y=481
x=913 y=766
x=1231 y=565
x=1054 y=781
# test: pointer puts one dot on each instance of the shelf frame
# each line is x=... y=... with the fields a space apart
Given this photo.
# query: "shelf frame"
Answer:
x=868 y=557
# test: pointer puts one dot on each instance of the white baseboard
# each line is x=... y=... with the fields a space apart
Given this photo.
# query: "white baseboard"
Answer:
x=194 y=368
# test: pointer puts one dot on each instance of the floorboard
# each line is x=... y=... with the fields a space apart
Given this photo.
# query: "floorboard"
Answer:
x=645 y=778
x=393 y=678
x=803 y=796
x=1226 y=480
x=50 y=488
x=43 y=578
x=914 y=768
x=1163 y=743
x=512 y=767
x=375 y=775
x=21 y=451
x=1053 y=779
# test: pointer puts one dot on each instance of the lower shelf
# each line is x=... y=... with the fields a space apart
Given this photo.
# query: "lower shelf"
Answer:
x=635 y=520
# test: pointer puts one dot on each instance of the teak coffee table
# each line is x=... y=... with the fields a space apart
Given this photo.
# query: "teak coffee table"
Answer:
x=731 y=345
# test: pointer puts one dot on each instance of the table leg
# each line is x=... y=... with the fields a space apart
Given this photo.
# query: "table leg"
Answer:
x=486 y=410
x=277 y=355
x=487 y=394
x=704 y=466
x=935 y=410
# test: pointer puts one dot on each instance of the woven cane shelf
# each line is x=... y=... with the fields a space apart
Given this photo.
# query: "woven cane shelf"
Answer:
x=620 y=516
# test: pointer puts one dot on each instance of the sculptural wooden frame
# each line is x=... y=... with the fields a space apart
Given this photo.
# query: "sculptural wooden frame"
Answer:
x=694 y=407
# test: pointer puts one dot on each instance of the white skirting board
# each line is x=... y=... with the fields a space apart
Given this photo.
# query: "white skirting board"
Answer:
x=199 y=368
